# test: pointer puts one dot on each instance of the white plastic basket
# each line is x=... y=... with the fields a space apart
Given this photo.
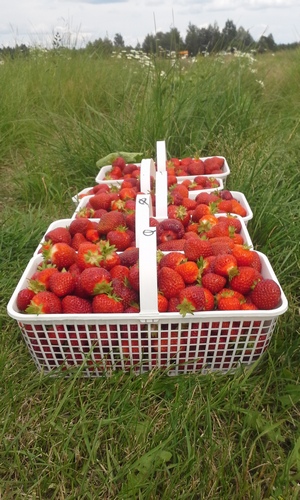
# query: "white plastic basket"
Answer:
x=102 y=343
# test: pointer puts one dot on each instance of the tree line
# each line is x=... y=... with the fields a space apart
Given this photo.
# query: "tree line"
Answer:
x=198 y=41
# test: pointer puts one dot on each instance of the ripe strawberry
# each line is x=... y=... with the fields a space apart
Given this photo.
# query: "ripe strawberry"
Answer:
x=170 y=283
x=266 y=294
x=78 y=238
x=225 y=265
x=196 y=167
x=101 y=200
x=162 y=303
x=191 y=299
x=109 y=221
x=225 y=206
x=119 y=271
x=213 y=282
x=71 y=304
x=213 y=164
x=196 y=248
x=107 y=303
x=123 y=290
x=62 y=283
x=85 y=213
x=227 y=300
x=110 y=257
x=173 y=304
x=61 y=255
x=129 y=257
x=134 y=276
x=169 y=229
x=189 y=271
x=59 y=234
x=88 y=255
x=237 y=208
x=171 y=259
x=171 y=245
x=44 y=302
x=121 y=237
x=80 y=226
x=245 y=279
x=201 y=210
x=39 y=281
x=24 y=298
x=209 y=300
x=95 y=280
x=179 y=212
x=231 y=221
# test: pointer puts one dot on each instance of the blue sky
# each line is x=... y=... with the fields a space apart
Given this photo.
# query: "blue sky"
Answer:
x=34 y=22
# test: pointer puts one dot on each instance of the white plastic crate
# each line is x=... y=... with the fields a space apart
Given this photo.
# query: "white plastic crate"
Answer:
x=102 y=343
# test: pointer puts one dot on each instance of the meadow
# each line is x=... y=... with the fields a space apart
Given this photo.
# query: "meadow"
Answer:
x=213 y=436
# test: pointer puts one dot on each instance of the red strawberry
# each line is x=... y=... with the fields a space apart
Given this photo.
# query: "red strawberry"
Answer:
x=123 y=290
x=228 y=300
x=170 y=283
x=101 y=200
x=266 y=294
x=171 y=245
x=24 y=298
x=171 y=259
x=162 y=303
x=59 y=234
x=78 y=238
x=225 y=265
x=88 y=255
x=107 y=303
x=129 y=257
x=110 y=257
x=44 y=302
x=61 y=255
x=179 y=212
x=196 y=248
x=189 y=271
x=110 y=220
x=201 y=210
x=119 y=271
x=191 y=299
x=121 y=237
x=209 y=300
x=133 y=276
x=71 y=304
x=196 y=167
x=169 y=229
x=213 y=164
x=245 y=279
x=39 y=281
x=243 y=254
x=62 y=283
x=213 y=282
x=95 y=280
x=80 y=226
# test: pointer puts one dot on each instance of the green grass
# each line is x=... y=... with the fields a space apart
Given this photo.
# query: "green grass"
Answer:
x=152 y=436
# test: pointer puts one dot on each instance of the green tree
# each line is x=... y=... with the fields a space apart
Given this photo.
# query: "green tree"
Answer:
x=118 y=41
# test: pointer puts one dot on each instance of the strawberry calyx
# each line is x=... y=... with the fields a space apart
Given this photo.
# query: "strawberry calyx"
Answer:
x=185 y=307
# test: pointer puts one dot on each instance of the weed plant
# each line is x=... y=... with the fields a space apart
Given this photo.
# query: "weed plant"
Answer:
x=211 y=436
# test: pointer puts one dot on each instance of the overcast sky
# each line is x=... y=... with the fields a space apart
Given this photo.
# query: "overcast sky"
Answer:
x=34 y=22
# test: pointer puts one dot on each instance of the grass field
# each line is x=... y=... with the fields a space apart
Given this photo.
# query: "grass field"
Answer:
x=152 y=436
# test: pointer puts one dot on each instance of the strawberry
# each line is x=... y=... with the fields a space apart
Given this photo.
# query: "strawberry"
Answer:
x=171 y=259
x=71 y=304
x=120 y=162
x=266 y=294
x=119 y=271
x=85 y=212
x=229 y=300
x=107 y=303
x=189 y=271
x=170 y=283
x=225 y=265
x=110 y=257
x=209 y=300
x=213 y=282
x=162 y=303
x=80 y=226
x=179 y=212
x=169 y=229
x=213 y=164
x=196 y=167
x=173 y=304
x=191 y=299
x=128 y=193
x=129 y=257
x=95 y=280
x=245 y=279
x=201 y=210
x=123 y=290
x=171 y=245
x=44 y=302
x=196 y=248
x=109 y=221
x=24 y=298
x=133 y=276
x=121 y=237
x=237 y=208
x=59 y=234
x=78 y=238
x=88 y=255
x=231 y=221
x=61 y=255
x=101 y=200
x=39 y=281
x=225 y=206
x=62 y=283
